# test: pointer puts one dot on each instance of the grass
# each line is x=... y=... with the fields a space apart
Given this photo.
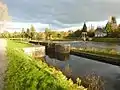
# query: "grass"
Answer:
x=111 y=40
x=26 y=73
x=17 y=44
x=103 y=52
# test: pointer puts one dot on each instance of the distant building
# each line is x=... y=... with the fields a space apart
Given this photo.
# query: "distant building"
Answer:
x=84 y=32
x=100 y=32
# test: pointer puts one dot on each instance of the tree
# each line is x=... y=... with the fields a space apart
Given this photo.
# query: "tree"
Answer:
x=59 y=35
x=111 y=27
x=47 y=33
x=77 y=33
x=113 y=20
x=23 y=33
x=32 y=32
x=27 y=34
x=5 y=34
x=91 y=33
x=108 y=28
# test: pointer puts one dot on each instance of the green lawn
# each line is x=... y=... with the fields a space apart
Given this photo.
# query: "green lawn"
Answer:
x=17 y=44
x=26 y=73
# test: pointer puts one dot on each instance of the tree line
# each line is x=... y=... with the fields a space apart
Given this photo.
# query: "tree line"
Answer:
x=111 y=28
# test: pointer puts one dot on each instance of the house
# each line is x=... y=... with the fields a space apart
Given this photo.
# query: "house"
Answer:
x=100 y=32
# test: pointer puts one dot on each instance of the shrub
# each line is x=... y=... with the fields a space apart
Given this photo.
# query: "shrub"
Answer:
x=93 y=82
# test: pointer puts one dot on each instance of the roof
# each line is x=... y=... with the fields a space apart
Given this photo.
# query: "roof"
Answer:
x=100 y=30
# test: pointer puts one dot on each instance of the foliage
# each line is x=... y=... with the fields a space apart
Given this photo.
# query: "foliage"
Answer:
x=27 y=34
x=105 y=52
x=5 y=34
x=26 y=73
x=108 y=28
x=77 y=33
x=47 y=33
x=112 y=28
x=32 y=32
x=93 y=82
x=40 y=36
x=91 y=33
x=23 y=33
x=111 y=40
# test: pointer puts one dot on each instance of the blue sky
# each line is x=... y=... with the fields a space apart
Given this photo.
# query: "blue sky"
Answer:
x=62 y=13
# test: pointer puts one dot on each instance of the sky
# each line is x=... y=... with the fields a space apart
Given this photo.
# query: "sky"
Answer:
x=62 y=13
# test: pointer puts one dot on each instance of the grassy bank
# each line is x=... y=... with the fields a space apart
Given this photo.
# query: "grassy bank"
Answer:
x=67 y=39
x=104 y=52
x=106 y=55
x=110 y=40
x=25 y=73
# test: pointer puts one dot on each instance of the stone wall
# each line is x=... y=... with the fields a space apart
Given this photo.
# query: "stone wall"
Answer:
x=36 y=51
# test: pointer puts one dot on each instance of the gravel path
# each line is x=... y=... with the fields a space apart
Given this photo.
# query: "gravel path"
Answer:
x=3 y=62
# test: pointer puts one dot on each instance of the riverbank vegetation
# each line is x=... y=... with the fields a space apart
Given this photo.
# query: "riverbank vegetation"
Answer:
x=103 y=55
x=26 y=73
x=108 y=40
x=105 y=52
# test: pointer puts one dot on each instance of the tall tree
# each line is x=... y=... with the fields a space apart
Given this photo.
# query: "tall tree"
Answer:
x=27 y=35
x=23 y=33
x=113 y=20
x=47 y=33
x=32 y=32
x=77 y=33
x=108 y=28
x=113 y=23
x=91 y=33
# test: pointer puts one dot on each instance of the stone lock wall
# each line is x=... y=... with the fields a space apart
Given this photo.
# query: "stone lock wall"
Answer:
x=36 y=51
x=62 y=48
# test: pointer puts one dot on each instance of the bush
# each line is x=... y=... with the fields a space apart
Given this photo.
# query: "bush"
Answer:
x=93 y=82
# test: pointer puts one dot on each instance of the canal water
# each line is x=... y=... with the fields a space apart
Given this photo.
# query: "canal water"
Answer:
x=82 y=66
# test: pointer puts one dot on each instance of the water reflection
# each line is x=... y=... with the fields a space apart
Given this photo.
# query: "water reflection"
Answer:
x=82 y=66
x=117 y=82
x=59 y=56
x=62 y=56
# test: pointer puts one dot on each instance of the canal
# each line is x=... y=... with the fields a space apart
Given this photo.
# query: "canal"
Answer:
x=82 y=66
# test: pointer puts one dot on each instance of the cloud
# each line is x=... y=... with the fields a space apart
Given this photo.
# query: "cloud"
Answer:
x=107 y=1
x=62 y=13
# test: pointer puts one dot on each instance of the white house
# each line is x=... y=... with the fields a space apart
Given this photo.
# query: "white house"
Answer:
x=100 y=32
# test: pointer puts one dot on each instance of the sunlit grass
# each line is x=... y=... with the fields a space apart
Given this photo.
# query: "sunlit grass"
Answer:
x=105 y=52
x=26 y=73
x=17 y=44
